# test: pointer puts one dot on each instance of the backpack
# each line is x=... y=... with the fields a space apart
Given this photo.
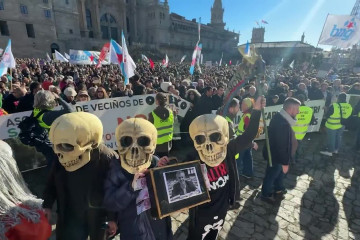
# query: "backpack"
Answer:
x=31 y=133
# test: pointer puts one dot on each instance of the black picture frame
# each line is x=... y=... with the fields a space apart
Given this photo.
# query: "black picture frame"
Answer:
x=167 y=192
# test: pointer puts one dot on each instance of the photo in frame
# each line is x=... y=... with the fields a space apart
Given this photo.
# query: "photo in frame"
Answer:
x=176 y=187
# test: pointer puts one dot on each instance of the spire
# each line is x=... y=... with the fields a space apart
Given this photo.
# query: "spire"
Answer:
x=303 y=38
x=217 y=15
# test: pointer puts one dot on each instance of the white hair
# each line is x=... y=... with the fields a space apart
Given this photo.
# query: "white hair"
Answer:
x=44 y=100
x=14 y=194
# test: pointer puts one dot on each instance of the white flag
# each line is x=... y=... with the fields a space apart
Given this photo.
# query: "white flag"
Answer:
x=342 y=31
x=67 y=56
x=48 y=57
x=182 y=59
x=221 y=60
x=144 y=58
x=292 y=64
x=60 y=57
x=165 y=61
x=127 y=65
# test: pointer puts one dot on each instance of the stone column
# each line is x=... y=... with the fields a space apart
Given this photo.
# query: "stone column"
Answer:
x=96 y=19
x=82 y=18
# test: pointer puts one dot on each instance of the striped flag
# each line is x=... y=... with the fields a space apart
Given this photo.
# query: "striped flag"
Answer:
x=193 y=61
x=8 y=60
x=247 y=50
x=165 y=61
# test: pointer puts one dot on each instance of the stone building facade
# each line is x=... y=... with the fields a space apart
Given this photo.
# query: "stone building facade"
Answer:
x=40 y=26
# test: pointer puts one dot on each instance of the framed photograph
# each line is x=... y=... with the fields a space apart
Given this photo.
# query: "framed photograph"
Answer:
x=176 y=187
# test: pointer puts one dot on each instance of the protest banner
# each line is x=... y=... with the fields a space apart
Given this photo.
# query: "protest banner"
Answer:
x=316 y=105
x=111 y=111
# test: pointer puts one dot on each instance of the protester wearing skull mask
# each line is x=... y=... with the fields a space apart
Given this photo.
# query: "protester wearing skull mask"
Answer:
x=210 y=134
x=121 y=192
x=76 y=181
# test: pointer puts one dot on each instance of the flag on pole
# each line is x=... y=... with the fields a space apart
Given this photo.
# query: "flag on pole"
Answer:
x=48 y=58
x=257 y=23
x=8 y=60
x=144 y=58
x=66 y=56
x=120 y=56
x=165 y=62
x=198 y=56
x=151 y=63
x=60 y=57
x=292 y=64
x=342 y=31
x=127 y=65
x=201 y=58
x=221 y=59
x=265 y=22
x=182 y=59
x=230 y=62
x=193 y=60
x=247 y=50
x=104 y=52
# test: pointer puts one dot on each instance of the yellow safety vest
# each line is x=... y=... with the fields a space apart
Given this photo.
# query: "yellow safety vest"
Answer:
x=36 y=111
x=164 y=128
x=241 y=127
x=303 y=119
x=334 y=121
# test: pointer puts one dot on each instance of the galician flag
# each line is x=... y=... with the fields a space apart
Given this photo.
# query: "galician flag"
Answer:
x=193 y=60
x=292 y=64
x=67 y=56
x=60 y=57
x=144 y=58
x=8 y=60
x=120 y=56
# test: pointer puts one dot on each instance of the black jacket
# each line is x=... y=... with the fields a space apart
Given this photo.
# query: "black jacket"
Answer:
x=26 y=103
x=177 y=190
x=280 y=137
x=79 y=192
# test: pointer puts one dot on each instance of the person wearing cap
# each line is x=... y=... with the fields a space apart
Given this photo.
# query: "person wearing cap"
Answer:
x=244 y=158
x=82 y=96
x=70 y=95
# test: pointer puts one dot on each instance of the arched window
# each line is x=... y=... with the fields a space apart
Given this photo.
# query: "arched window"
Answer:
x=108 y=27
x=88 y=19
x=54 y=47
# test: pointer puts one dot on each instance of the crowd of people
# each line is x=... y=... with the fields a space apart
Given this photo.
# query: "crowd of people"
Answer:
x=38 y=86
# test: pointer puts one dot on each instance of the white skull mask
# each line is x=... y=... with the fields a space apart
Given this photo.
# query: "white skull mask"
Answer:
x=136 y=141
x=74 y=135
x=210 y=134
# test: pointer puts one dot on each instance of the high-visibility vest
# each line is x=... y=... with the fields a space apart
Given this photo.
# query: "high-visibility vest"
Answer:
x=334 y=121
x=36 y=111
x=303 y=119
x=241 y=127
x=164 y=128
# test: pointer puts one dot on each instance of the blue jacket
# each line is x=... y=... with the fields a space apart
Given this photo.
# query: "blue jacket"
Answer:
x=121 y=198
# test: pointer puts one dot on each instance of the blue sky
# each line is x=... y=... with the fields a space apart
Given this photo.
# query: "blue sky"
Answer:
x=287 y=19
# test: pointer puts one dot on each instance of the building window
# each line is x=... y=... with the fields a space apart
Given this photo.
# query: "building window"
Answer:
x=71 y=31
x=67 y=1
x=88 y=19
x=109 y=28
x=47 y=13
x=1 y=5
x=30 y=30
x=23 y=9
x=4 y=30
x=45 y=1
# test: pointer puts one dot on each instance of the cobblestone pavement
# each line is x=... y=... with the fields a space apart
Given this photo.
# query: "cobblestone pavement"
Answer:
x=323 y=199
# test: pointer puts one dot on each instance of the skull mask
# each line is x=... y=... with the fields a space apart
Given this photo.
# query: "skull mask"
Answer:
x=74 y=135
x=210 y=134
x=136 y=140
